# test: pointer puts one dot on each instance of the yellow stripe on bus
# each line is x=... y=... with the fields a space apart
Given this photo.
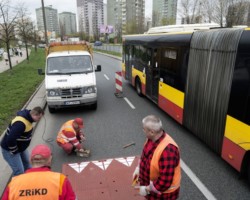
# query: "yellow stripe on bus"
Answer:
x=123 y=66
x=172 y=94
x=238 y=132
x=141 y=75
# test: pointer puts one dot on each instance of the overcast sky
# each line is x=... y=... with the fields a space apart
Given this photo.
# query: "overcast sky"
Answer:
x=60 y=5
x=66 y=5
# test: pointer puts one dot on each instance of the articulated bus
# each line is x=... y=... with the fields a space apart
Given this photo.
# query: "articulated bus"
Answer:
x=201 y=78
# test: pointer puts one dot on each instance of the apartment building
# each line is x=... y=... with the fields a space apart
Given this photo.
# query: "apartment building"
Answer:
x=90 y=16
x=51 y=19
x=67 y=23
x=127 y=16
x=164 y=12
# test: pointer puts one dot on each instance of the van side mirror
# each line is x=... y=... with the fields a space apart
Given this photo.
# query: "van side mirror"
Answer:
x=40 y=71
x=98 y=68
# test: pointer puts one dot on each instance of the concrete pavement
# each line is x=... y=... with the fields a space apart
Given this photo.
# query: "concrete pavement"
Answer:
x=37 y=99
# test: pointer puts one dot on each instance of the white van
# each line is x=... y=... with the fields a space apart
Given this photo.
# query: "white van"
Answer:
x=70 y=78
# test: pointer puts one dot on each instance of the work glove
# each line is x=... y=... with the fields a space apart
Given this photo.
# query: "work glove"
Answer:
x=152 y=188
x=143 y=191
x=81 y=150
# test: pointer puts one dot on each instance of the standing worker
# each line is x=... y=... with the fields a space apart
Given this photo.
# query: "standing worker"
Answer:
x=71 y=136
x=159 y=169
x=40 y=182
x=17 y=138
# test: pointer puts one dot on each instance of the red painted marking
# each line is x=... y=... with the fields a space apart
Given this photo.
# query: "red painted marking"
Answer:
x=172 y=109
x=230 y=149
x=94 y=183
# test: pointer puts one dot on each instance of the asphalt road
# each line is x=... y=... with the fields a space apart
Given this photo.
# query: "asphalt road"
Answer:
x=114 y=124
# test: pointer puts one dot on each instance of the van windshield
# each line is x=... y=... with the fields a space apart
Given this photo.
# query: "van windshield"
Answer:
x=69 y=65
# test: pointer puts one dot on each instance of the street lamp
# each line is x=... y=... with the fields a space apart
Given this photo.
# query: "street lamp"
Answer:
x=44 y=21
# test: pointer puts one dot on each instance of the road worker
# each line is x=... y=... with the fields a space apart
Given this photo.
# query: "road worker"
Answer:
x=39 y=182
x=158 y=172
x=71 y=136
x=17 y=138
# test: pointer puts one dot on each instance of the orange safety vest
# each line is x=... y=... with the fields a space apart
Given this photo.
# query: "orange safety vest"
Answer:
x=154 y=164
x=67 y=126
x=36 y=185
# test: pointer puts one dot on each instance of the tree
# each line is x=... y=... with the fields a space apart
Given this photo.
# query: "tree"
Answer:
x=118 y=31
x=131 y=27
x=236 y=13
x=24 y=27
x=155 y=19
x=8 y=16
x=62 y=30
x=167 y=21
x=190 y=9
x=208 y=10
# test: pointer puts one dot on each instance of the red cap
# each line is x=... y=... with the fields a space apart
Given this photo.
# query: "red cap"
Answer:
x=42 y=150
x=79 y=121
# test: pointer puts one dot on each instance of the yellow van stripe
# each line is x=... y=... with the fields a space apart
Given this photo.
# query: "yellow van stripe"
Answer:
x=238 y=132
x=172 y=94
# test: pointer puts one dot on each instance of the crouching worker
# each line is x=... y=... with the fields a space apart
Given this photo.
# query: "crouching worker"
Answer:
x=39 y=182
x=71 y=136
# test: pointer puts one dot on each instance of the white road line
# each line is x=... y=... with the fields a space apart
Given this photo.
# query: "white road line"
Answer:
x=129 y=103
x=106 y=76
x=197 y=182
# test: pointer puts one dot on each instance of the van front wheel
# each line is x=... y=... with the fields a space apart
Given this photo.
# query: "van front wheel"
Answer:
x=94 y=106
x=52 y=110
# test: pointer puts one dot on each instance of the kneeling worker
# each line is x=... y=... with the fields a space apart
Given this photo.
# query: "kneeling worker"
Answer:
x=71 y=136
x=39 y=182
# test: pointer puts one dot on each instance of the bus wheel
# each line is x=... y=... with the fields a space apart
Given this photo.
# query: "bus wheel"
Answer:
x=138 y=87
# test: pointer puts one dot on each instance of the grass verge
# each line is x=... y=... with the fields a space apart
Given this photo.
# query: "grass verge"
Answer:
x=109 y=52
x=18 y=84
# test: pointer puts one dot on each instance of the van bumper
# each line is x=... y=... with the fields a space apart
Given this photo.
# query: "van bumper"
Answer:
x=56 y=102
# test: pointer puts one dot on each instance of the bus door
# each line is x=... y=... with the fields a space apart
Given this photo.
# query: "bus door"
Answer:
x=152 y=75
x=128 y=62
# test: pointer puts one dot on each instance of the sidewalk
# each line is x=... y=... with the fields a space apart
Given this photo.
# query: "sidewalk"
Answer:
x=14 y=61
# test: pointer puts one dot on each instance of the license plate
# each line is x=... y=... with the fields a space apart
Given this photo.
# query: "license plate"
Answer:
x=71 y=103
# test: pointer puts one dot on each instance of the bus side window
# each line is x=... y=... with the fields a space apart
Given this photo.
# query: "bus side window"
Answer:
x=169 y=65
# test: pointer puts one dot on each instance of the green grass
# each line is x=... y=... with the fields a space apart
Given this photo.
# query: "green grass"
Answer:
x=18 y=84
x=109 y=52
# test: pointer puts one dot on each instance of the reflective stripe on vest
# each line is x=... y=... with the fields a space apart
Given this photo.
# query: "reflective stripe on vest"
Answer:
x=36 y=185
x=67 y=126
x=154 y=164
x=28 y=124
